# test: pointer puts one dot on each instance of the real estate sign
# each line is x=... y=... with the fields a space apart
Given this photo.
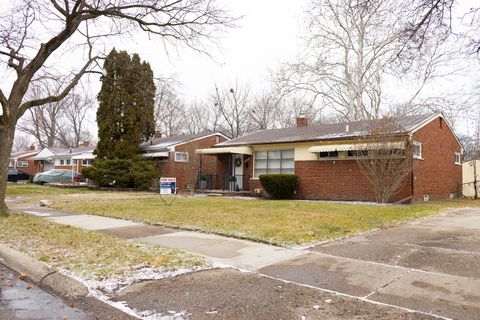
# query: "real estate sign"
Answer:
x=168 y=185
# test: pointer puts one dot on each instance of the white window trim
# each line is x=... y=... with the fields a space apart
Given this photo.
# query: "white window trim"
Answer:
x=22 y=164
x=459 y=157
x=419 y=144
x=255 y=175
x=181 y=153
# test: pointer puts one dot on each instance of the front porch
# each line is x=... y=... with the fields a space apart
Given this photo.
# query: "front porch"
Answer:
x=232 y=172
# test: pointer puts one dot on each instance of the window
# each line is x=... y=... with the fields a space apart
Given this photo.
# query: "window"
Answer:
x=22 y=164
x=458 y=158
x=328 y=154
x=62 y=162
x=274 y=162
x=217 y=139
x=417 y=150
x=357 y=153
x=181 y=156
x=86 y=163
x=67 y=162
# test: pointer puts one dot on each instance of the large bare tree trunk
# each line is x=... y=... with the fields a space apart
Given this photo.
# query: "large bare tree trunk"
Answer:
x=7 y=133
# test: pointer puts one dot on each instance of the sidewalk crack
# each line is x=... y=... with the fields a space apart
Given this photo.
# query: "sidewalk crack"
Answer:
x=387 y=284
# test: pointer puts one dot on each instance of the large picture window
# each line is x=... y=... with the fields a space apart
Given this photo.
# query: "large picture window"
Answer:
x=274 y=162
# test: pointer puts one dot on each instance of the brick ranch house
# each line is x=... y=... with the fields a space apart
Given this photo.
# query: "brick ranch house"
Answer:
x=76 y=159
x=21 y=161
x=175 y=156
x=324 y=157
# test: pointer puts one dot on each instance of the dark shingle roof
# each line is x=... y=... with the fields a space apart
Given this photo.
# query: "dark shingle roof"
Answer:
x=329 y=131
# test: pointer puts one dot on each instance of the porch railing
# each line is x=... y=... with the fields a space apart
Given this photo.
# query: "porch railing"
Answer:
x=224 y=182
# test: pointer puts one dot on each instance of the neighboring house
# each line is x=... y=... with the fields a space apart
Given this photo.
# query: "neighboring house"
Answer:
x=21 y=161
x=471 y=177
x=324 y=158
x=64 y=158
x=176 y=157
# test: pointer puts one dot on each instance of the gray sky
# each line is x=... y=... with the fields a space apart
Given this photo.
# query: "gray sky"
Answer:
x=267 y=34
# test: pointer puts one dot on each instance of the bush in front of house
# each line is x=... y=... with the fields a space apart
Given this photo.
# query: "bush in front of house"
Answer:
x=279 y=186
x=135 y=173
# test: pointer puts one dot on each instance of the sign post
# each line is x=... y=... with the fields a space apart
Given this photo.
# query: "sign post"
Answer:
x=168 y=185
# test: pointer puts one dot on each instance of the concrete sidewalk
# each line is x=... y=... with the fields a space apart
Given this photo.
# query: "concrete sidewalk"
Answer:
x=242 y=254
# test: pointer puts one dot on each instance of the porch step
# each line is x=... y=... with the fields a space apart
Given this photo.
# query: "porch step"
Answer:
x=223 y=193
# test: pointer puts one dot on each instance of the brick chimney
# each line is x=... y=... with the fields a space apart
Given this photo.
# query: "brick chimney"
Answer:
x=86 y=144
x=302 y=121
x=31 y=148
x=158 y=134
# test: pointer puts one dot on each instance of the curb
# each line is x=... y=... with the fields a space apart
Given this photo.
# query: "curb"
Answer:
x=41 y=274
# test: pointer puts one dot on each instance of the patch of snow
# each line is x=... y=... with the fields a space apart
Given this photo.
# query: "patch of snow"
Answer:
x=242 y=197
x=102 y=290
x=328 y=301
x=316 y=307
x=211 y=312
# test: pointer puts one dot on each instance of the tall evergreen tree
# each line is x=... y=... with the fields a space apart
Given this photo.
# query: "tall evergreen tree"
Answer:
x=125 y=115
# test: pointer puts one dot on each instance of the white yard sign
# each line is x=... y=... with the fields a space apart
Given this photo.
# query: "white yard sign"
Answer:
x=168 y=185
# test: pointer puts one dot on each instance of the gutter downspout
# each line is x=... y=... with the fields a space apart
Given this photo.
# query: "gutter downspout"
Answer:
x=412 y=175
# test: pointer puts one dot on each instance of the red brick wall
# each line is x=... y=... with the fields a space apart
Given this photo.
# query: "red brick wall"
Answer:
x=337 y=180
x=31 y=169
x=182 y=170
x=437 y=174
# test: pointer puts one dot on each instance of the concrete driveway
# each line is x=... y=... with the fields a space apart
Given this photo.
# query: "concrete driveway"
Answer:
x=431 y=265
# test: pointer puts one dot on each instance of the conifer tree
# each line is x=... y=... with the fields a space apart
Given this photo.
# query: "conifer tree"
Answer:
x=125 y=115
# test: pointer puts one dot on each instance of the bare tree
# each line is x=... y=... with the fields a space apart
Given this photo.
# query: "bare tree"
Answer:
x=21 y=142
x=74 y=128
x=58 y=123
x=389 y=161
x=265 y=111
x=347 y=59
x=34 y=35
x=232 y=104
x=294 y=106
x=169 y=110
x=198 y=118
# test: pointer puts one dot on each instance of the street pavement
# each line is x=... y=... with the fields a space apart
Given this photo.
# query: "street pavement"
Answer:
x=20 y=299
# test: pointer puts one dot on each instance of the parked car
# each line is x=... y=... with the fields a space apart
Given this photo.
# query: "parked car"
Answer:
x=15 y=175
x=57 y=176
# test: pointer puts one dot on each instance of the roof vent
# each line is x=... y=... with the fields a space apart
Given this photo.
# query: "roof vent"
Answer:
x=347 y=128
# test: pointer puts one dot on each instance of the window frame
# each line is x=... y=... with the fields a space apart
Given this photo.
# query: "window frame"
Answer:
x=420 y=146
x=364 y=154
x=181 y=153
x=329 y=155
x=282 y=160
x=459 y=155
x=22 y=164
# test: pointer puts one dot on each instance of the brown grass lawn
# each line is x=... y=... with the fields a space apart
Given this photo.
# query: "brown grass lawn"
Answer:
x=89 y=254
x=283 y=222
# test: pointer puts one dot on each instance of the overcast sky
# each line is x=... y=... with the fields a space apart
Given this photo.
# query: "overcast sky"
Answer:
x=267 y=35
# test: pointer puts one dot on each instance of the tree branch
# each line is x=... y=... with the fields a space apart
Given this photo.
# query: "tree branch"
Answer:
x=55 y=98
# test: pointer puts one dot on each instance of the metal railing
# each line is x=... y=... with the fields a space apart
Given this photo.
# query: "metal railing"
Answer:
x=224 y=182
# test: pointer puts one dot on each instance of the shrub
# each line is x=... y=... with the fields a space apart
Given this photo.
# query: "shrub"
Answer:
x=279 y=186
x=122 y=173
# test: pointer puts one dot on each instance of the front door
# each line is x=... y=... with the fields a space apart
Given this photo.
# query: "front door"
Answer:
x=238 y=170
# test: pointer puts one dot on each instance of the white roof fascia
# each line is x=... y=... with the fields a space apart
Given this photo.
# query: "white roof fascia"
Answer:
x=200 y=138
x=433 y=117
